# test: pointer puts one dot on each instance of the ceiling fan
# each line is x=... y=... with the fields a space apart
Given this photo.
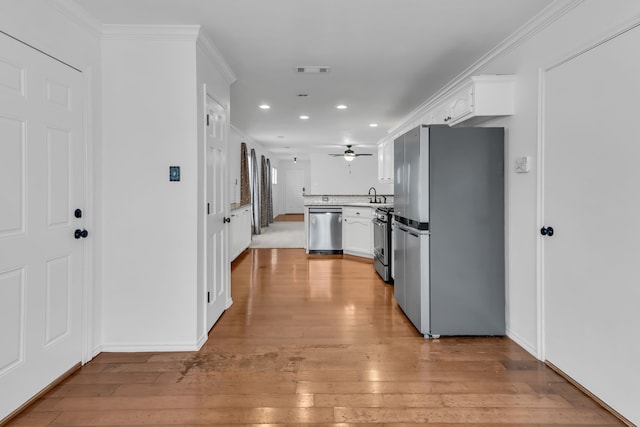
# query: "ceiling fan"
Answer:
x=349 y=154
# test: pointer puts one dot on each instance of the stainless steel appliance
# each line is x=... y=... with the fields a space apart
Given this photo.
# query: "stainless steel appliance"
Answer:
x=325 y=230
x=382 y=242
x=449 y=229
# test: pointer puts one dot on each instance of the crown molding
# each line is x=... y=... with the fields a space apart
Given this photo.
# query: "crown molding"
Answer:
x=209 y=47
x=542 y=20
x=150 y=32
x=74 y=12
x=246 y=138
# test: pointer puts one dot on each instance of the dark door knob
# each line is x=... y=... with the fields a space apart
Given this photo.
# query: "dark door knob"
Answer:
x=80 y=233
x=546 y=231
x=225 y=220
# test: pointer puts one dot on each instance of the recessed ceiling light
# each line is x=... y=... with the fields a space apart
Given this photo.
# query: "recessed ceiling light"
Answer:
x=281 y=136
x=265 y=106
x=373 y=125
x=341 y=107
x=304 y=117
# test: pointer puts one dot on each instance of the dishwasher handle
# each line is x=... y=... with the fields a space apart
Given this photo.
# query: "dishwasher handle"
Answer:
x=323 y=209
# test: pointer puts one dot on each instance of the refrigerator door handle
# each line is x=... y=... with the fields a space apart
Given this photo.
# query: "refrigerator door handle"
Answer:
x=400 y=226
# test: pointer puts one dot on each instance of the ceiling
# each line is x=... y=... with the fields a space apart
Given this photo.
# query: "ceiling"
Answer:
x=386 y=57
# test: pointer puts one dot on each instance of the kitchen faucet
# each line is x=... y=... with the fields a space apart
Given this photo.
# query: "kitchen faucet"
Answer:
x=375 y=195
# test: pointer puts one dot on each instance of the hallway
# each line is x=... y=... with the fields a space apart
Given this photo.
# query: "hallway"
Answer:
x=316 y=340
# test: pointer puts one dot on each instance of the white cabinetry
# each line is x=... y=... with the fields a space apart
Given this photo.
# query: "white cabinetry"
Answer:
x=357 y=231
x=461 y=104
x=439 y=115
x=385 y=162
x=240 y=231
x=480 y=99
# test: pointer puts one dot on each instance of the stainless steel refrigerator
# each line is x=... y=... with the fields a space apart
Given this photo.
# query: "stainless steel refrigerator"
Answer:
x=449 y=229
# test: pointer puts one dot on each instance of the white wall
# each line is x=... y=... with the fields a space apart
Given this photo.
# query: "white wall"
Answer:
x=68 y=35
x=150 y=224
x=334 y=175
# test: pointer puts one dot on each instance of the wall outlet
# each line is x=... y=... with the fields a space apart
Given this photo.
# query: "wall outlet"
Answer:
x=522 y=164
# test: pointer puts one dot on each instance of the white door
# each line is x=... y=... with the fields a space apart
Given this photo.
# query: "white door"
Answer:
x=294 y=188
x=591 y=279
x=218 y=269
x=42 y=183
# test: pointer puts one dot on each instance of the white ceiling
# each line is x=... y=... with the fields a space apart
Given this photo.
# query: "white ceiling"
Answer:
x=386 y=57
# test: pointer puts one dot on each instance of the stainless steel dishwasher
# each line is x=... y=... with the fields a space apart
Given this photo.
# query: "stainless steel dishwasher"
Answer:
x=325 y=230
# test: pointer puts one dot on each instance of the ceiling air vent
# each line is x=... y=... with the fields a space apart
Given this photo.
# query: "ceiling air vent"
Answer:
x=312 y=69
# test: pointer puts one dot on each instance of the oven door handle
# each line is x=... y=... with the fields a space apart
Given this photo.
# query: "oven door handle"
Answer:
x=376 y=221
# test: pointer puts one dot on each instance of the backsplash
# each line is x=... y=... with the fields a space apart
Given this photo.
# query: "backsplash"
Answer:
x=342 y=199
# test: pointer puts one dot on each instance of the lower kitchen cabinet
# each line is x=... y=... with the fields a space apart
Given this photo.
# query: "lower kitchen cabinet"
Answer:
x=357 y=231
x=240 y=231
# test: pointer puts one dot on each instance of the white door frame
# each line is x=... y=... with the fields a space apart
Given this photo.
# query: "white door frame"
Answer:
x=90 y=348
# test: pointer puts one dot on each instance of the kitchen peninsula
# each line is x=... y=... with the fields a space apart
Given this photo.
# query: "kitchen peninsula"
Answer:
x=353 y=221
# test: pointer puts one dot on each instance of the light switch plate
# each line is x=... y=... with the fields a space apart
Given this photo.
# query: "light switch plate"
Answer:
x=522 y=164
x=174 y=173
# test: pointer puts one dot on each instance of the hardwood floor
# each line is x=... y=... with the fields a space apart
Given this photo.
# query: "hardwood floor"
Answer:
x=290 y=217
x=317 y=341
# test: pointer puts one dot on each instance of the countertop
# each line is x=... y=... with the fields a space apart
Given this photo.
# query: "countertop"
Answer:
x=353 y=204
x=355 y=200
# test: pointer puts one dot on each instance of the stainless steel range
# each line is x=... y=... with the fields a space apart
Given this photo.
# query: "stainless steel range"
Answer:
x=382 y=242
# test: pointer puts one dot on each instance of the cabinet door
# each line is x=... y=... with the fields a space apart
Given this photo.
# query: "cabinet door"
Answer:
x=246 y=228
x=381 y=162
x=357 y=235
x=387 y=162
x=461 y=104
x=440 y=114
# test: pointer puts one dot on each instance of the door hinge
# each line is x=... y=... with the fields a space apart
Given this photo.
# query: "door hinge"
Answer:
x=208 y=208
x=207 y=119
x=208 y=297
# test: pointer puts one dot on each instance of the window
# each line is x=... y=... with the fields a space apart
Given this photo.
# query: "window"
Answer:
x=274 y=176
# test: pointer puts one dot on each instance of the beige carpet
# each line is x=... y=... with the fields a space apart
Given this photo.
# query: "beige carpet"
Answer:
x=280 y=235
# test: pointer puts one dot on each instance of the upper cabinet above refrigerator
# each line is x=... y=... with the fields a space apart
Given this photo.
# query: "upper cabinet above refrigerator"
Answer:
x=480 y=99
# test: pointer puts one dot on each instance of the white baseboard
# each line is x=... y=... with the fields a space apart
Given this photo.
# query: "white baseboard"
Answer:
x=530 y=348
x=96 y=351
x=148 y=347
x=201 y=341
x=229 y=303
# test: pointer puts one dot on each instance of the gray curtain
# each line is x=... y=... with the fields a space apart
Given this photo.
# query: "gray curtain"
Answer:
x=255 y=194
x=269 y=192
x=245 y=188
x=264 y=217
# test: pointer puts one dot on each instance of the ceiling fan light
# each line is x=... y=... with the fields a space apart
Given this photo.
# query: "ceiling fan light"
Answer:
x=349 y=156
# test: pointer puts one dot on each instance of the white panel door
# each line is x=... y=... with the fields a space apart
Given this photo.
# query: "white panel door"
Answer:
x=218 y=268
x=42 y=183
x=590 y=198
x=294 y=188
